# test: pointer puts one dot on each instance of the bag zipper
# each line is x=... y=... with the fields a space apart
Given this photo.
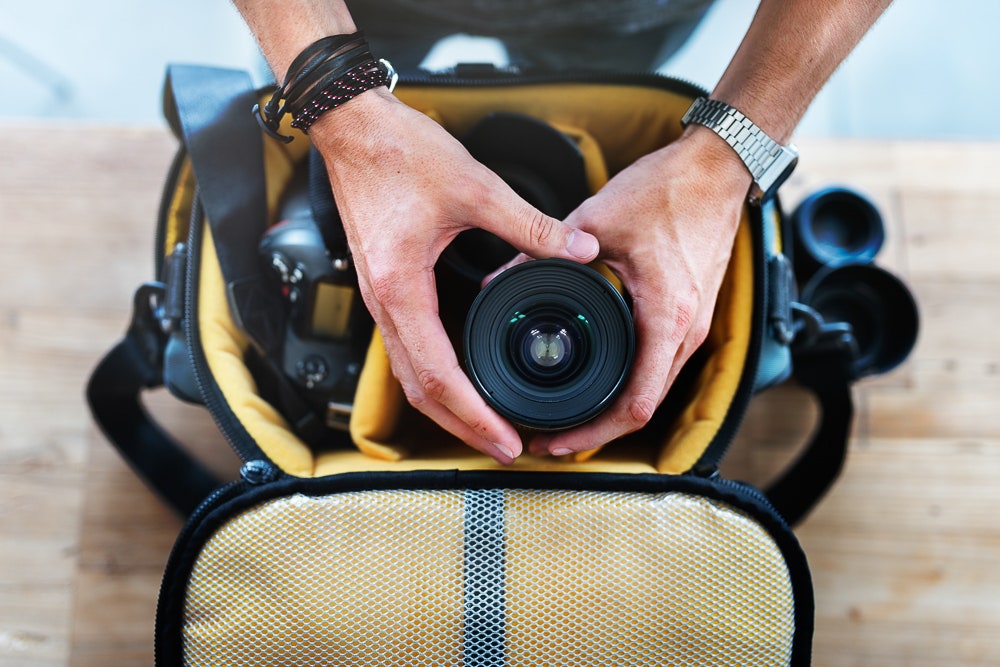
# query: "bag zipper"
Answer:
x=485 y=75
x=231 y=428
x=166 y=199
x=220 y=495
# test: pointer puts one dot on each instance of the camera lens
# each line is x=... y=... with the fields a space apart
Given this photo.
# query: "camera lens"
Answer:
x=879 y=307
x=549 y=343
x=834 y=226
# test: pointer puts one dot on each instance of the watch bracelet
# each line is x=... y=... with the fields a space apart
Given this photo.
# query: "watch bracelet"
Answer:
x=739 y=132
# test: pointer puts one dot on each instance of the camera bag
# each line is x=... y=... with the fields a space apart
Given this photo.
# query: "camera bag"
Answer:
x=393 y=544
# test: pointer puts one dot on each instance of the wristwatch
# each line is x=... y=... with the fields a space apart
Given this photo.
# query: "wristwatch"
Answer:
x=769 y=162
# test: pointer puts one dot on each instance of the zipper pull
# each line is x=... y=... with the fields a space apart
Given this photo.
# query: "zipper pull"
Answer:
x=258 y=472
x=175 y=274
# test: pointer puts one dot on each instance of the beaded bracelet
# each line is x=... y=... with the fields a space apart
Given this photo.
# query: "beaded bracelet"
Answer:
x=327 y=74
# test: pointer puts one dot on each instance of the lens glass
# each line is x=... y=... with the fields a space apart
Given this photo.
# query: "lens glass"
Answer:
x=548 y=347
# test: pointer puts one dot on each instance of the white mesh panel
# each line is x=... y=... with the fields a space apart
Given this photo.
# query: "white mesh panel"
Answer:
x=488 y=578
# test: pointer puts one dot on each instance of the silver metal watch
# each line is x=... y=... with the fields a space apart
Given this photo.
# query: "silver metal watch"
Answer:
x=769 y=162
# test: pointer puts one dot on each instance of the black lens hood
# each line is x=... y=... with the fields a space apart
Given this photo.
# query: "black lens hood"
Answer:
x=835 y=225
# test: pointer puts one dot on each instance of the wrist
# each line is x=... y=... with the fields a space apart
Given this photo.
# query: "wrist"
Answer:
x=361 y=137
x=326 y=75
x=354 y=121
x=768 y=162
x=708 y=153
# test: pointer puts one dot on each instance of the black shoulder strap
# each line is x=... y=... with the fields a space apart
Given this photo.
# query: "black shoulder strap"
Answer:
x=209 y=109
x=130 y=367
x=825 y=372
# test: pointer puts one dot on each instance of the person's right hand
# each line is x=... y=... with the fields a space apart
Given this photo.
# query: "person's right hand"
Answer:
x=405 y=188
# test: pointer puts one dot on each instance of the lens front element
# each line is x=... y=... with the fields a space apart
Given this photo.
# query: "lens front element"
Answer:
x=548 y=347
x=549 y=343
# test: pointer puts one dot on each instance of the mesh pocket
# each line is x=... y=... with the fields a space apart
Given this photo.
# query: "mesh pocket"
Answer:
x=490 y=577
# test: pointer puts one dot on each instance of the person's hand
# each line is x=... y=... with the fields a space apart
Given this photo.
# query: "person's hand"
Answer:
x=666 y=225
x=405 y=188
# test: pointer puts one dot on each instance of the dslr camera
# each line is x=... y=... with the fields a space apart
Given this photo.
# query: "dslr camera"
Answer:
x=327 y=326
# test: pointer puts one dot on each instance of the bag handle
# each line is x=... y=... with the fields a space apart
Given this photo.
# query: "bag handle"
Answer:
x=824 y=372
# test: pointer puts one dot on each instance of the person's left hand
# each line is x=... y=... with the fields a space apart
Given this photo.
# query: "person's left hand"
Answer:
x=666 y=225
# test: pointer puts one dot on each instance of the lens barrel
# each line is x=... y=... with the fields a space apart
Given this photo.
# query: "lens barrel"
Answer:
x=879 y=307
x=835 y=226
x=549 y=343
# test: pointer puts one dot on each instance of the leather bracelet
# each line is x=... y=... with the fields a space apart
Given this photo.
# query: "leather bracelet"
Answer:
x=327 y=74
x=339 y=91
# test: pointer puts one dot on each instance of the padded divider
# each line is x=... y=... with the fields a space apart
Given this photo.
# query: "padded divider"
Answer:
x=627 y=123
x=225 y=347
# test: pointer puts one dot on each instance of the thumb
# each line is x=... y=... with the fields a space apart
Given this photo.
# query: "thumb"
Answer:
x=541 y=236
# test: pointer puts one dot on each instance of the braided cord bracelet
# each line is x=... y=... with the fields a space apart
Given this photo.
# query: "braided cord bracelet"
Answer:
x=327 y=74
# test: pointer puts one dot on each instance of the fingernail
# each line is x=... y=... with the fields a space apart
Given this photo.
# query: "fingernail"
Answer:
x=561 y=451
x=582 y=245
x=505 y=450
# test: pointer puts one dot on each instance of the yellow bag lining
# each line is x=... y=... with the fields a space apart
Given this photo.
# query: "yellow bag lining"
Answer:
x=613 y=125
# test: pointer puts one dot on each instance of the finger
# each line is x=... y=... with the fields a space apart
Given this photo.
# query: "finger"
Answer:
x=657 y=363
x=536 y=234
x=434 y=411
x=426 y=365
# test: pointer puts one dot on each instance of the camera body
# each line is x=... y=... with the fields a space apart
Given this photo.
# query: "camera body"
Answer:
x=327 y=326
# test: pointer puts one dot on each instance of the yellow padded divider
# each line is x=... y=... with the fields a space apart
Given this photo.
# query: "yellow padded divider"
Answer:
x=224 y=346
x=626 y=121
x=377 y=406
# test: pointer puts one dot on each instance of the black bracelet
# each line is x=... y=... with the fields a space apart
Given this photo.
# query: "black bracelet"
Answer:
x=327 y=73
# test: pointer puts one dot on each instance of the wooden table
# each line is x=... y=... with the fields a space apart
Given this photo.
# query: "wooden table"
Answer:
x=903 y=551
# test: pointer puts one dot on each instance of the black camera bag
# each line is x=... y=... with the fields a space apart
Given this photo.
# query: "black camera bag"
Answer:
x=392 y=544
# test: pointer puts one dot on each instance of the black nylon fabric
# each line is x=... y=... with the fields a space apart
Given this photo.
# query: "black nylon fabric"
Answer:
x=500 y=17
x=631 y=35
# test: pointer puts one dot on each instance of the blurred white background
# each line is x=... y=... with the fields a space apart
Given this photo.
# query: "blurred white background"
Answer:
x=926 y=70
